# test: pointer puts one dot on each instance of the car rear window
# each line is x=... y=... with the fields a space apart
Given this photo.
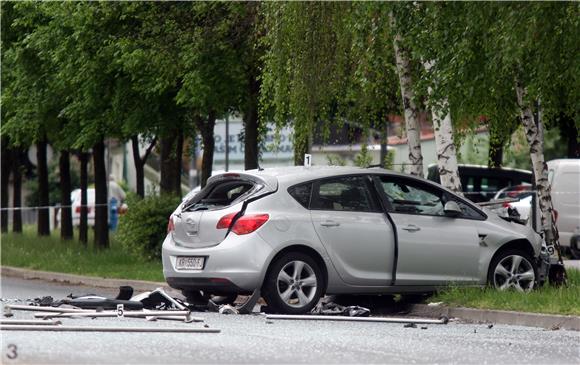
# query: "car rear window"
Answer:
x=220 y=194
x=301 y=193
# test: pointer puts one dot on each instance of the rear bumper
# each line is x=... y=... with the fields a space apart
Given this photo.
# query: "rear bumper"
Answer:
x=236 y=265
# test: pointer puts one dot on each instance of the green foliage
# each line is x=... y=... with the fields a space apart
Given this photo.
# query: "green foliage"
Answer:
x=335 y=160
x=389 y=162
x=363 y=158
x=144 y=227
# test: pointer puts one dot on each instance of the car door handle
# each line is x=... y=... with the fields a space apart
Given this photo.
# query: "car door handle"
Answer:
x=411 y=228
x=330 y=224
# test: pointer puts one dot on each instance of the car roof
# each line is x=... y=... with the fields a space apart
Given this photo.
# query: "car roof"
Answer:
x=295 y=174
x=484 y=167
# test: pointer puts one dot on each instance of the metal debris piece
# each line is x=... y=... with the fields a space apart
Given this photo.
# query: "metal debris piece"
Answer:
x=34 y=308
x=410 y=325
x=248 y=306
x=358 y=319
x=185 y=315
x=29 y=322
x=228 y=309
x=106 y=329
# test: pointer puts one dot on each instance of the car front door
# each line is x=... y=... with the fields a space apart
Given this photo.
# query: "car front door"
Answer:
x=433 y=249
x=354 y=230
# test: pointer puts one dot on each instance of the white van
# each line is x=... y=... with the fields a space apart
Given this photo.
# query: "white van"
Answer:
x=564 y=176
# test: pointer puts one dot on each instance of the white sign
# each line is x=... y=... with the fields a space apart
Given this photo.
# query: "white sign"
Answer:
x=307 y=160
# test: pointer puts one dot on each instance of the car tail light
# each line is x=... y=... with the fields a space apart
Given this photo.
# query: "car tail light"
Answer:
x=555 y=216
x=170 y=225
x=78 y=210
x=249 y=223
x=226 y=221
x=506 y=205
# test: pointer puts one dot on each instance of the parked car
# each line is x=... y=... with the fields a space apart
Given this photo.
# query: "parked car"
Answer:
x=75 y=198
x=564 y=177
x=298 y=233
x=523 y=192
x=481 y=183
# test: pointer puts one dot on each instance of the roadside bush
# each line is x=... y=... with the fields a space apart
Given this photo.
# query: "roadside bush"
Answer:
x=144 y=227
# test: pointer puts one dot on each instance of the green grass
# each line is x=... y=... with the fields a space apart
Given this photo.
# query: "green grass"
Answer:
x=547 y=299
x=27 y=250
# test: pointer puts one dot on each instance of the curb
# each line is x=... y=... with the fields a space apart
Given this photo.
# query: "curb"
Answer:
x=472 y=315
x=138 y=285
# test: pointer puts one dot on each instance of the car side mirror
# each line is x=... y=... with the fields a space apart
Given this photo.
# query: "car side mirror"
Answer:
x=452 y=209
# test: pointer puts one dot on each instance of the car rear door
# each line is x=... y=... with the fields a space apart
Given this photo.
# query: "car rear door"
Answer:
x=354 y=230
x=433 y=249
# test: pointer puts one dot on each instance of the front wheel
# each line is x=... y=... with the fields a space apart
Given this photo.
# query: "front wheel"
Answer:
x=513 y=269
x=294 y=284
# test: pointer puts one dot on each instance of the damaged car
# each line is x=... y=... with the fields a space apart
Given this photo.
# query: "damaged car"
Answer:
x=298 y=233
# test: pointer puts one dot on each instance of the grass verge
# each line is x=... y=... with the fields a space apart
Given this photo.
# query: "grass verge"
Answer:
x=547 y=299
x=27 y=250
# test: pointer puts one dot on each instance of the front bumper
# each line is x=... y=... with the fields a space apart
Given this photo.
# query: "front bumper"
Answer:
x=236 y=265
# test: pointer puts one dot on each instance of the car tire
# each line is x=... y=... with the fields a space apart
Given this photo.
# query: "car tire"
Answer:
x=513 y=269
x=294 y=284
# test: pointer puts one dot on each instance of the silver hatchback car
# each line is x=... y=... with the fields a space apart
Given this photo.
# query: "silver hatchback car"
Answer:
x=297 y=233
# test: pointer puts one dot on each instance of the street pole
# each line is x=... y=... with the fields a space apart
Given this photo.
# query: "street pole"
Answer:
x=227 y=143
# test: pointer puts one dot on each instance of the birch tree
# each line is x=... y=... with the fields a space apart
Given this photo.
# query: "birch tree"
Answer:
x=412 y=126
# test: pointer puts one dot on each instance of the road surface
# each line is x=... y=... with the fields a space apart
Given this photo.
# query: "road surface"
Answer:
x=250 y=339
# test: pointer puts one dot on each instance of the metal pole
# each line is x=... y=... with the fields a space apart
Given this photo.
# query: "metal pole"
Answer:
x=106 y=329
x=185 y=314
x=358 y=319
x=29 y=322
x=34 y=308
x=227 y=143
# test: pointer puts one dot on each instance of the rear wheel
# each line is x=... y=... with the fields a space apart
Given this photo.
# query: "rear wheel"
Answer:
x=294 y=284
x=512 y=269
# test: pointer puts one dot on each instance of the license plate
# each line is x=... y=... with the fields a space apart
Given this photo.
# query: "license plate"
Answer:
x=189 y=263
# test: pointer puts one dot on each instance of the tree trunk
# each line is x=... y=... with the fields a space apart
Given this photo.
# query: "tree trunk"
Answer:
x=206 y=128
x=139 y=167
x=178 y=164
x=5 y=183
x=43 y=198
x=169 y=169
x=495 y=153
x=101 y=203
x=412 y=126
x=83 y=219
x=140 y=163
x=251 y=128
x=17 y=190
x=66 y=227
x=534 y=135
x=444 y=146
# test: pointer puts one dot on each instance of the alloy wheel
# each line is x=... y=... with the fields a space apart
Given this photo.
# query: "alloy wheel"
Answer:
x=296 y=284
x=514 y=271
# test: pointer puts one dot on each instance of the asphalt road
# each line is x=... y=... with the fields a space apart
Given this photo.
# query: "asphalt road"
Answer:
x=250 y=339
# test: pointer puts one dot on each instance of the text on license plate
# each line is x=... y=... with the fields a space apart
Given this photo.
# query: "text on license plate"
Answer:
x=189 y=263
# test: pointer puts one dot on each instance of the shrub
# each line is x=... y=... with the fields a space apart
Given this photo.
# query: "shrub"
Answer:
x=144 y=227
